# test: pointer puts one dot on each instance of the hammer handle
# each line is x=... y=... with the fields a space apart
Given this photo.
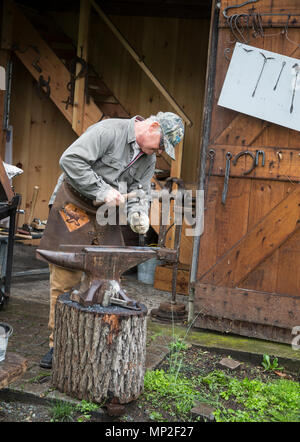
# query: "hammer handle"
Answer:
x=33 y=204
x=125 y=195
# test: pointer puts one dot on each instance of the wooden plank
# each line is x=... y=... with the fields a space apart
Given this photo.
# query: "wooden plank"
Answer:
x=263 y=197
x=259 y=243
x=247 y=305
x=12 y=368
x=242 y=130
x=163 y=280
x=143 y=66
x=82 y=51
x=281 y=164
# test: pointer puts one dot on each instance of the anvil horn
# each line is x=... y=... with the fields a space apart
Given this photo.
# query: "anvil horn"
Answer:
x=73 y=261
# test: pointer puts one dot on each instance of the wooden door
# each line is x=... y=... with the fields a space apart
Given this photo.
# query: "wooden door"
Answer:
x=248 y=279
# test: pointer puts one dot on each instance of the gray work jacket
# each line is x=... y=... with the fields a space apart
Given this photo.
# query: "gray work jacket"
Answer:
x=99 y=159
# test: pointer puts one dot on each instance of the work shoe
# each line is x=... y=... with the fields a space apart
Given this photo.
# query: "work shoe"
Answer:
x=46 y=361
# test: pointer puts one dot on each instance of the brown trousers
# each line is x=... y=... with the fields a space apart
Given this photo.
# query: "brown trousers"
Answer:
x=61 y=281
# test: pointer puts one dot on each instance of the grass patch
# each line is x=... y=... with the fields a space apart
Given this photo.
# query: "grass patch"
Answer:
x=172 y=391
x=66 y=412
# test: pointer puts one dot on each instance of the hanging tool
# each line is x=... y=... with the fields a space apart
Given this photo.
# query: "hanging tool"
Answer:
x=43 y=87
x=261 y=72
x=297 y=69
x=282 y=67
x=211 y=156
x=226 y=179
x=71 y=85
x=245 y=152
x=259 y=152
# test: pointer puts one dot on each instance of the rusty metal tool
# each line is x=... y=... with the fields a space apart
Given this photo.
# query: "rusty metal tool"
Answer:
x=245 y=152
x=226 y=178
x=282 y=67
x=297 y=69
x=170 y=311
x=211 y=155
x=103 y=267
x=261 y=72
x=259 y=152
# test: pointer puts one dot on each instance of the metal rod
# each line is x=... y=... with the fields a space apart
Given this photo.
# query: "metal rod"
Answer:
x=206 y=126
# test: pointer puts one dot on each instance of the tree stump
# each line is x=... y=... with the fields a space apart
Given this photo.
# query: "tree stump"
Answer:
x=99 y=352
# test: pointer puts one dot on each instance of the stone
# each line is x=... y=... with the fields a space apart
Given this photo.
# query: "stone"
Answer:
x=229 y=363
x=204 y=411
x=114 y=410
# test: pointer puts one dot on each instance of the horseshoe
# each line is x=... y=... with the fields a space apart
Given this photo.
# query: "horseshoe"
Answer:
x=245 y=152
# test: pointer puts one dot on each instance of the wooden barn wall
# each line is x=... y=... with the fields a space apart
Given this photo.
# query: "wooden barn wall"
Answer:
x=40 y=135
x=176 y=52
x=268 y=278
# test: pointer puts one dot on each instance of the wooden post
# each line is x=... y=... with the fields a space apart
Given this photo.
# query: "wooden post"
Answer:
x=82 y=51
x=99 y=352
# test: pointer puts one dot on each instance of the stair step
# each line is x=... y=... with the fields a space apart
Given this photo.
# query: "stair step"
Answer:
x=99 y=98
x=113 y=110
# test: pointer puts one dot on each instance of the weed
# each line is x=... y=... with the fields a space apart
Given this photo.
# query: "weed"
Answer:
x=276 y=401
x=85 y=408
x=169 y=392
x=155 y=416
x=270 y=365
x=65 y=412
x=62 y=412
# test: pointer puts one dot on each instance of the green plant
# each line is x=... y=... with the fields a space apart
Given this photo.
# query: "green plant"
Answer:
x=276 y=401
x=85 y=408
x=62 y=412
x=156 y=416
x=270 y=365
x=169 y=392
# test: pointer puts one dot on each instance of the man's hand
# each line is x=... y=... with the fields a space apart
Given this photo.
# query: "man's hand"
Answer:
x=112 y=198
x=139 y=222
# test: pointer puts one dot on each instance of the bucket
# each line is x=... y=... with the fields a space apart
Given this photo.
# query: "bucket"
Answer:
x=146 y=270
x=5 y=332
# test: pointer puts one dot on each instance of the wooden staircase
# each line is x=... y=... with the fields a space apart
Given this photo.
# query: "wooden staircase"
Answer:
x=49 y=55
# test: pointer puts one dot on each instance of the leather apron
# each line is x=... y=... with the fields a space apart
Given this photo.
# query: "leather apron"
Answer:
x=72 y=221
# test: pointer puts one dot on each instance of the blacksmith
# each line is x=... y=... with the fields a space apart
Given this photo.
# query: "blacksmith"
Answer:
x=109 y=153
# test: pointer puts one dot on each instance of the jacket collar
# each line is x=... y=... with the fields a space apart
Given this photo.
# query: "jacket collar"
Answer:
x=131 y=131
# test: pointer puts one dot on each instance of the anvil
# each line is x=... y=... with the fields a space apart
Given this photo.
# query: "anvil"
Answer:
x=103 y=267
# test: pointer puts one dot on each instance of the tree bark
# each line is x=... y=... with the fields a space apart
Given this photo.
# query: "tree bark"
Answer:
x=99 y=353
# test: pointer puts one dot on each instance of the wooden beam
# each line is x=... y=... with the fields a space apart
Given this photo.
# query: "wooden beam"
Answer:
x=82 y=51
x=258 y=244
x=247 y=305
x=143 y=66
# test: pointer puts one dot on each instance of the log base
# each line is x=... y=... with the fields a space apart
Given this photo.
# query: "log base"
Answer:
x=99 y=352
